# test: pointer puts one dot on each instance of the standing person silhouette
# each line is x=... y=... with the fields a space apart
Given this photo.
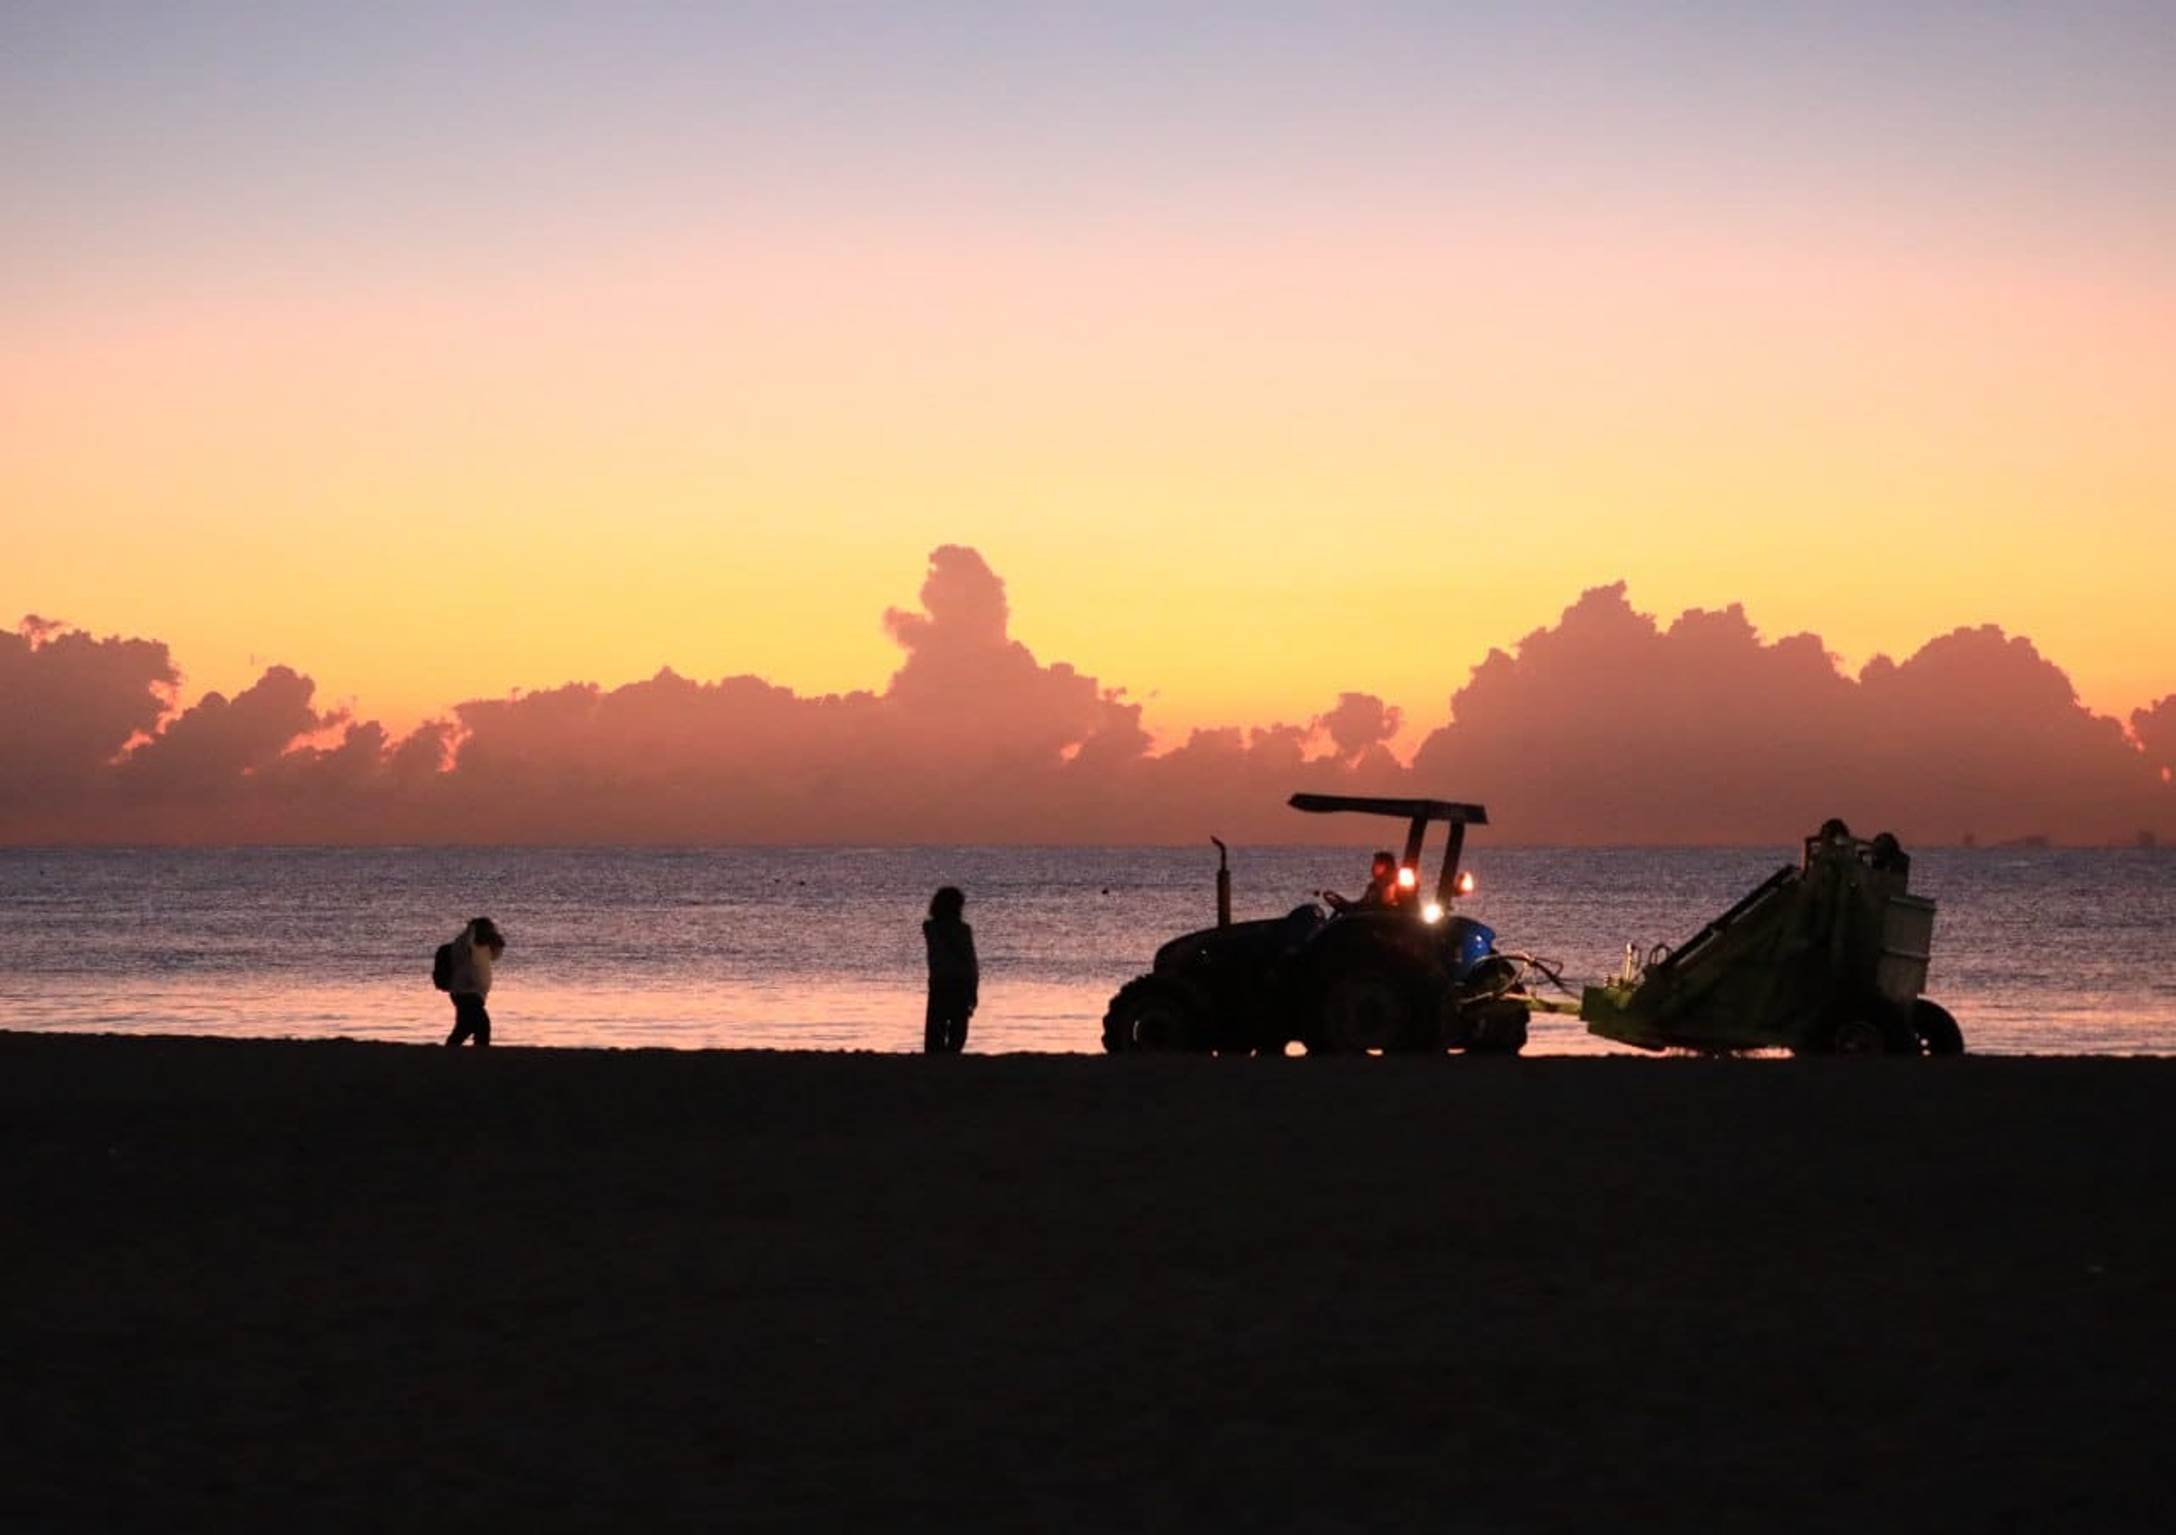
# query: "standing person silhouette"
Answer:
x=474 y=952
x=954 y=978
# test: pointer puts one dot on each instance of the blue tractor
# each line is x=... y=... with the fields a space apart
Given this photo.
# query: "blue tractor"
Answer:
x=1398 y=973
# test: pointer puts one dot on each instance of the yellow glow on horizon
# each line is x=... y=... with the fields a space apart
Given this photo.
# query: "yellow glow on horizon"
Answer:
x=1234 y=476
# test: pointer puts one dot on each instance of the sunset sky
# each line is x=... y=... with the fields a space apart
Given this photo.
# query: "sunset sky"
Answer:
x=1268 y=351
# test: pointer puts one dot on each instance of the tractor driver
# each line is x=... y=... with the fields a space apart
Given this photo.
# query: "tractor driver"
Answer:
x=1382 y=888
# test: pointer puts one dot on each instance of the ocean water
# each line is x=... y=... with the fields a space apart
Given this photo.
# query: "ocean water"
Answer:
x=2036 y=951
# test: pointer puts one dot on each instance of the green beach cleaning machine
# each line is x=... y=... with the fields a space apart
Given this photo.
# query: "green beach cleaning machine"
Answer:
x=1827 y=957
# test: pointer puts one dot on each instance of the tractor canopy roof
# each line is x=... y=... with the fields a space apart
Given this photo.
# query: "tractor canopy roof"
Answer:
x=1421 y=810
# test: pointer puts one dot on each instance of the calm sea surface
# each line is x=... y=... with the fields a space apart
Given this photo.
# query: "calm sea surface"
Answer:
x=2035 y=951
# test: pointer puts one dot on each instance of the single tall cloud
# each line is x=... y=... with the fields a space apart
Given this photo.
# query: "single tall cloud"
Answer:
x=1360 y=721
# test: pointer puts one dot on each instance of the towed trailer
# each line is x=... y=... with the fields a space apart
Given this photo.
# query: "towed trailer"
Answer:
x=1827 y=957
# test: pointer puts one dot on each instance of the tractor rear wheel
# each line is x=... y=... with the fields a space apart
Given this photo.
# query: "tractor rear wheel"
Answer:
x=1368 y=1007
x=1937 y=1031
x=1153 y=1014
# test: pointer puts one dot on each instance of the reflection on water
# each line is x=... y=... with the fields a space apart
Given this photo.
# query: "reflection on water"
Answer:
x=2039 y=951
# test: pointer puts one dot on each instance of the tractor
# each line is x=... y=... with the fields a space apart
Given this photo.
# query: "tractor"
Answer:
x=1397 y=974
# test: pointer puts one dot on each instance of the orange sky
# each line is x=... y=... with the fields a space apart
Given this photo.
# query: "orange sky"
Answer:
x=1334 y=420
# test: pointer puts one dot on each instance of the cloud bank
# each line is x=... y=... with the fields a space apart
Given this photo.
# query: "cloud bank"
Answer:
x=1606 y=726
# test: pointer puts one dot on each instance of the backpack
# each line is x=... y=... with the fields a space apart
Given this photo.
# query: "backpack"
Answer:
x=442 y=967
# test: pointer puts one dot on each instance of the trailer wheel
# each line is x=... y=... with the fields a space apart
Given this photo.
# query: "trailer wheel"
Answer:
x=1861 y=1035
x=1937 y=1031
x=1151 y=1014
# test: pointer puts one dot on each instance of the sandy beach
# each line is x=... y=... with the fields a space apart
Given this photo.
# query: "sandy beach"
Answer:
x=368 y=1286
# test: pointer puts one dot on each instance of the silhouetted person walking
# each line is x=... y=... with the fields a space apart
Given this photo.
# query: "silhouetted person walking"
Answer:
x=954 y=978
x=474 y=952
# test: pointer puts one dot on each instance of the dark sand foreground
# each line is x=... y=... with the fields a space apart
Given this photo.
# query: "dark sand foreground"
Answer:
x=363 y=1286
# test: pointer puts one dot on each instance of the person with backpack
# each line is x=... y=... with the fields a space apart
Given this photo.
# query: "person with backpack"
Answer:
x=463 y=968
x=954 y=978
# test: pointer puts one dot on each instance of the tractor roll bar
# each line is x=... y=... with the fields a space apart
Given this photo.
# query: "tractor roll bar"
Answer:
x=1419 y=812
x=1406 y=809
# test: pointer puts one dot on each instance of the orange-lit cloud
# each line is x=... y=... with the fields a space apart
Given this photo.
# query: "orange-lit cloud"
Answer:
x=1605 y=726
x=70 y=703
x=1611 y=727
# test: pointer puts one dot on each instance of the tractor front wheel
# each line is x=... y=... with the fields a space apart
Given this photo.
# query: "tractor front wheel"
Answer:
x=1153 y=1014
x=1497 y=1027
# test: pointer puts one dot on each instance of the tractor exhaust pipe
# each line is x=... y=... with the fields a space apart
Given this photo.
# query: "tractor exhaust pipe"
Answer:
x=1223 y=883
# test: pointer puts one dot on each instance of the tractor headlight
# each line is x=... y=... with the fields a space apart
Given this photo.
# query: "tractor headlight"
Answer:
x=1431 y=912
